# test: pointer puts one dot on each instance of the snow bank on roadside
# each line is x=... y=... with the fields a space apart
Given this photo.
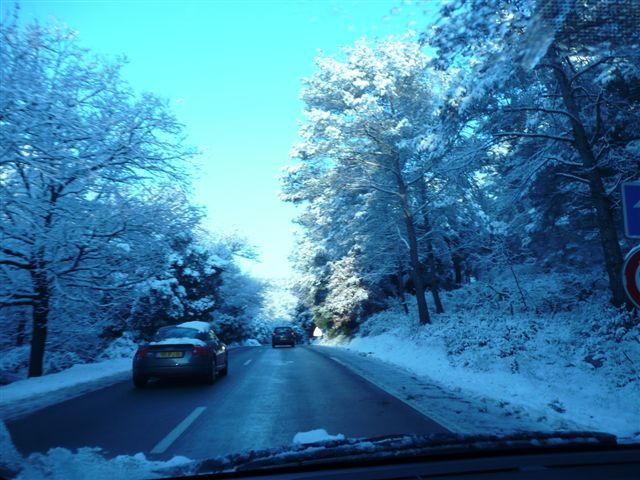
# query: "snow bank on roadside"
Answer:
x=580 y=363
x=14 y=361
x=32 y=394
x=63 y=464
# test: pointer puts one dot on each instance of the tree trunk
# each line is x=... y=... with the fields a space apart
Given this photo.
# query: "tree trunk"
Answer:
x=522 y=297
x=457 y=269
x=42 y=288
x=604 y=218
x=416 y=267
x=435 y=293
x=40 y=318
x=431 y=259
x=400 y=285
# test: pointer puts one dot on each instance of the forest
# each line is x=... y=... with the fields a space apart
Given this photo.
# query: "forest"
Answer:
x=100 y=240
x=470 y=166
x=487 y=151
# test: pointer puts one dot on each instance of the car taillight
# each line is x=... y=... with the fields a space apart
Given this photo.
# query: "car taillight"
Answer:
x=142 y=352
x=273 y=334
x=200 y=351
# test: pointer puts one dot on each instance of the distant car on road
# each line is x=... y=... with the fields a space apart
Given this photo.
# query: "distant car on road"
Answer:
x=190 y=349
x=283 y=336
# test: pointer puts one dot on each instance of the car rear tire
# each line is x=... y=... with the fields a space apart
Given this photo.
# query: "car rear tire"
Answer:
x=293 y=345
x=225 y=370
x=140 y=381
x=210 y=376
x=273 y=345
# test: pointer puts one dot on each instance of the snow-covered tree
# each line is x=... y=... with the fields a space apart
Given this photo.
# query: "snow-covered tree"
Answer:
x=552 y=83
x=364 y=116
x=85 y=166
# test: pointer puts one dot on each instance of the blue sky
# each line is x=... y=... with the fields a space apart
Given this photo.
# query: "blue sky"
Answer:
x=232 y=70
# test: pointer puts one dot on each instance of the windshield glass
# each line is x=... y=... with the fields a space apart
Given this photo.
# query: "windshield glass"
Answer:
x=176 y=332
x=406 y=218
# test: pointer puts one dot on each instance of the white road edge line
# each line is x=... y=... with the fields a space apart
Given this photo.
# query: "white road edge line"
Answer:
x=247 y=362
x=166 y=442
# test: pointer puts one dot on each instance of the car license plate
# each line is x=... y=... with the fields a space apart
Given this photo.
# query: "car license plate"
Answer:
x=169 y=354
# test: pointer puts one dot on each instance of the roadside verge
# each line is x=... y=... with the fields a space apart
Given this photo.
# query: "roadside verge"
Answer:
x=26 y=396
x=455 y=409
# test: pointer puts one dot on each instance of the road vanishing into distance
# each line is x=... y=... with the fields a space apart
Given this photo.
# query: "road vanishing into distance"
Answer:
x=268 y=397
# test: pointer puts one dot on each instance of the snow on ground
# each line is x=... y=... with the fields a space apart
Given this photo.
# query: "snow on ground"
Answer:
x=24 y=396
x=30 y=394
x=64 y=464
x=318 y=435
x=543 y=384
x=561 y=369
x=14 y=361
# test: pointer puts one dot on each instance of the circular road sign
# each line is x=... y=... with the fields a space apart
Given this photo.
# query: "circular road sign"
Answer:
x=631 y=275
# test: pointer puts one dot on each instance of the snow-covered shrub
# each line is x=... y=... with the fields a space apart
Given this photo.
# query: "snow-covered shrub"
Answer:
x=157 y=305
x=580 y=361
x=57 y=360
x=260 y=329
x=13 y=364
x=123 y=347
x=229 y=329
x=391 y=320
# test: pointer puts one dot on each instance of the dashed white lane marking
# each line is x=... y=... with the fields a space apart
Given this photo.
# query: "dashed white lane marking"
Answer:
x=247 y=362
x=166 y=442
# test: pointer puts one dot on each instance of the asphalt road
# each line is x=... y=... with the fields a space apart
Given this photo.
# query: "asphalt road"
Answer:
x=268 y=396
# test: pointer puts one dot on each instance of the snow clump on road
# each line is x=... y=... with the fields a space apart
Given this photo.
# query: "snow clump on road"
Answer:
x=313 y=436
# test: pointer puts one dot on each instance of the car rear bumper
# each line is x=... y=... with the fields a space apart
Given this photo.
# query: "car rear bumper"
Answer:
x=180 y=370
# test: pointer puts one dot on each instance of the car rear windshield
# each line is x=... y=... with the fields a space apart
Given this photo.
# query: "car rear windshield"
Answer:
x=282 y=330
x=176 y=332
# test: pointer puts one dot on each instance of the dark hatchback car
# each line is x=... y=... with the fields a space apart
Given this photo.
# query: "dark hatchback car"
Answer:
x=283 y=336
x=189 y=349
